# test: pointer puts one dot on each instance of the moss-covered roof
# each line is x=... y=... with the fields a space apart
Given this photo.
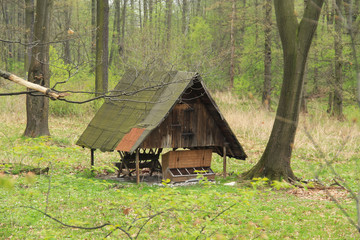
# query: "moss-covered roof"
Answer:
x=139 y=103
x=145 y=98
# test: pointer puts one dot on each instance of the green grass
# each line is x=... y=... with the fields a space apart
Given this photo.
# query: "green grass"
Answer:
x=185 y=211
x=203 y=211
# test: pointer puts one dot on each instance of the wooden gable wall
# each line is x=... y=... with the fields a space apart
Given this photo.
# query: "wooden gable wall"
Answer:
x=187 y=125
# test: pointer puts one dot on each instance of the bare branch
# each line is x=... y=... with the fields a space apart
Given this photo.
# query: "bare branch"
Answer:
x=36 y=87
x=217 y=215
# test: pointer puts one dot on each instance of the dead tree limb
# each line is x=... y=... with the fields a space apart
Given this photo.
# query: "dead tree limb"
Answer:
x=47 y=91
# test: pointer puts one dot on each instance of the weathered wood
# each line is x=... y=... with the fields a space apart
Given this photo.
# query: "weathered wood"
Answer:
x=180 y=160
x=187 y=125
x=142 y=164
x=148 y=158
x=92 y=159
x=224 y=161
x=137 y=167
x=187 y=158
x=30 y=85
x=183 y=178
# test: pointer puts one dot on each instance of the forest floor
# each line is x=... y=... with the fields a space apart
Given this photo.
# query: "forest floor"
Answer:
x=70 y=199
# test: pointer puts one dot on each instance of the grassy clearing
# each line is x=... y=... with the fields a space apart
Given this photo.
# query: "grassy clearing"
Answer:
x=205 y=211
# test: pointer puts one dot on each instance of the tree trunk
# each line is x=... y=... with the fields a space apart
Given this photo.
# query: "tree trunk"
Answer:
x=37 y=107
x=150 y=10
x=198 y=8
x=232 y=42
x=7 y=47
x=266 y=97
x=338 y=92
x=168 y=22
x=102 y=36
x=256 y=18
x=303 y=104
x=115 y=42
x=67 y=14
x=296 y=39
x=316 y=69
x=29 y=29
x=145 y=12
x=123 y=22
x=184 y=16
x=93 y=27
x=330 y=102
x=21 y=22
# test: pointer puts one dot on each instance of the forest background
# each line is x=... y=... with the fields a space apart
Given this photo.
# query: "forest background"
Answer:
x=230 y=43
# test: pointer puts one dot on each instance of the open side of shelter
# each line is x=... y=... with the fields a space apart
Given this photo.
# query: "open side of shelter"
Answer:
x=150 y=112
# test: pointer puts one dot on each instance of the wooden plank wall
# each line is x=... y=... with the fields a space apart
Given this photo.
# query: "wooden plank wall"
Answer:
x=187 y=159
x=187 y=125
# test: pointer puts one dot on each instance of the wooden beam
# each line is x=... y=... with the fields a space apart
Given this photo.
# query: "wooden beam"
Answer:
x=137 y=166
x=224 y=161
x=92 y=158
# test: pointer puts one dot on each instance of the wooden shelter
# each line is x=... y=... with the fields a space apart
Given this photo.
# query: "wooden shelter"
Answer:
x=149 y=111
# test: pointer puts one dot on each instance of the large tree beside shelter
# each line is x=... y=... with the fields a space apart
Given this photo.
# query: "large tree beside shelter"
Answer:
x=37 y=107
x=296 y=39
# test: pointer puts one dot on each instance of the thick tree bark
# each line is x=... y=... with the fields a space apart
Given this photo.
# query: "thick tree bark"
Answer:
x=102 y=36
x=266 y=96
x=37 y=108
x=296 y=39
x=29 y=29
x=303 y=103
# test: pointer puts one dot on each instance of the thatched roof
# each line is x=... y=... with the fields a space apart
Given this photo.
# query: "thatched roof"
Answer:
x=140 y=102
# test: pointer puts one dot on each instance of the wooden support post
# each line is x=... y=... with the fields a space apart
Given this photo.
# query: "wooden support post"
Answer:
x=137 y=167
x=92 y=158
x=224 y=161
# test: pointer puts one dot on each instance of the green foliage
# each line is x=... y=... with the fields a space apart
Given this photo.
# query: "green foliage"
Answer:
x=242 y=84
x=104 y=169
x=6 y=182
x=278 y=185
x=62 y=109
x=260 y=183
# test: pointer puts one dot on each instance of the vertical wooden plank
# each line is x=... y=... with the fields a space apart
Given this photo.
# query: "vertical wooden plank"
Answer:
x=137 y=167
x=224 y=161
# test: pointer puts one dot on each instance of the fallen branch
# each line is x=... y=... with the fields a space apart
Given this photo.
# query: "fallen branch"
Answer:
x=47 y=91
